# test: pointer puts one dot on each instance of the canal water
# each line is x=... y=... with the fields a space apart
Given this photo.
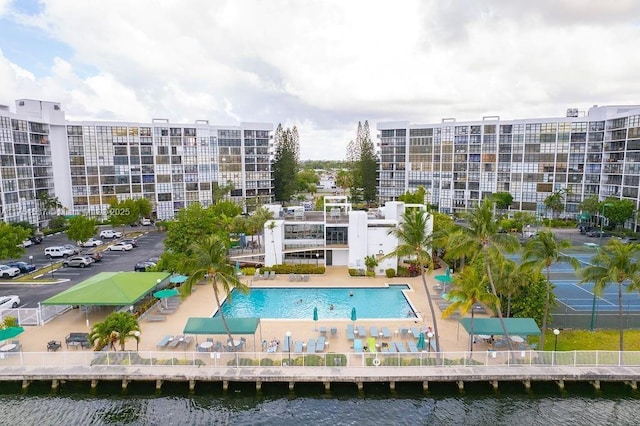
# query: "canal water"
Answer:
x=511 y=405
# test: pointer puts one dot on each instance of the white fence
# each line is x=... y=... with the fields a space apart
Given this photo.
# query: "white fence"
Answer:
x=284 y=359
x=34 y=316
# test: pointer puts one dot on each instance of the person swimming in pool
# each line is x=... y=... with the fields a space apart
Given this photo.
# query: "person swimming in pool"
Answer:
x=331 y=307
x=350 y=294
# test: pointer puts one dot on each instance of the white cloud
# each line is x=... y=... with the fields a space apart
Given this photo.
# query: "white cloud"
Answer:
x=324 y=65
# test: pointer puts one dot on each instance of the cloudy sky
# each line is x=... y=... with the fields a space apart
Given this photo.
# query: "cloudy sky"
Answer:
x=319 y=65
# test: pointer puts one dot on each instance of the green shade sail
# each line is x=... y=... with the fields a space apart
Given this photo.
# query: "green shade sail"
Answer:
x=109 y=289
x=492 y=327
x=10 y=332
x=216 y=326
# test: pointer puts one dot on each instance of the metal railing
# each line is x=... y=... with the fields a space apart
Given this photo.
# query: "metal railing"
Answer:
x=166 y=358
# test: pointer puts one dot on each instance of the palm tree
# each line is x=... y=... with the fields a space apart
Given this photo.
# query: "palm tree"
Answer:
x=414 y=242
x=614 y=264
x=116 y=328
x=259 y=218
x=542 y=251
x=480 y=238
x=209 y=262
x=272 y=227
x=510 y=278
x=468 y=288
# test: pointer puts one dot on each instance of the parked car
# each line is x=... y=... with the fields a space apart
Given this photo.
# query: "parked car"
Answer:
x=71 y=247
x=7 y=271
x=145 y=222
x=77 y=262
x=598 y=233
x=110 y=233
x=131 y=241
x=628 y=240
x=92 y=242
x=58 y=251
x=7 y=302
x=23 y=266
x=26 y=243
x=154 y=259
x=120 y=247
x=143 y=266
x=37 y=239
x=95 y=255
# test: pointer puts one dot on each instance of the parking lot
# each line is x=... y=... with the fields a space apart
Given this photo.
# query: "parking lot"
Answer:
x=149 y=245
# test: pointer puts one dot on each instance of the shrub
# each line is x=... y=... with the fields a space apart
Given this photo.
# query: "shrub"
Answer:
x=356 y=272
x=390 y=272
x=371 y=274
x=295 y=269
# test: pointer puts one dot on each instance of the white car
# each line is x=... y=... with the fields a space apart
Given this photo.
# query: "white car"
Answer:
x=92 y=242
x=7 y=302
x=145 y=222
x=26 y=243
x=120 y=247
x=8 y=271
x=110 y=233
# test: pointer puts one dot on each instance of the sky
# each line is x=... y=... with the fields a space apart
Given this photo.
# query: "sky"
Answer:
x=321 y=65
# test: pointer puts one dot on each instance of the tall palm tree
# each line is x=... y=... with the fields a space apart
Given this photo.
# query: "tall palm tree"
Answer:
x=615 y=263
x=209 y=262
x=542 y=251
x=510 y=278
x=259 y=218
x=469 y=287
x=480 y=238
x=116 y=328
x=414 y=242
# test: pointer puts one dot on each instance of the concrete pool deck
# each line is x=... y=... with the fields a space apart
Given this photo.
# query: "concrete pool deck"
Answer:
x=201 y=304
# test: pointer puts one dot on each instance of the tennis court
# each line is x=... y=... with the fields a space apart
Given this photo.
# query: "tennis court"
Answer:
x=579 y=298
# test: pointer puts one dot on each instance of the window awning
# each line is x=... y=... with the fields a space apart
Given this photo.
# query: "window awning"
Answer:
x=492 y=327
x=110 y=289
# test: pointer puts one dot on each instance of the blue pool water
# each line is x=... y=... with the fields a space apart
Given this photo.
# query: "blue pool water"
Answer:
x=385 y=302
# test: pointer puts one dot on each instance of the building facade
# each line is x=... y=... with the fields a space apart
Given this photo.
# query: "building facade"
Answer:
x=460 y=163
x=87 y=165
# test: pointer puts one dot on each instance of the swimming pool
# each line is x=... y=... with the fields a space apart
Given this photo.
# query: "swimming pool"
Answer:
x=378 y=302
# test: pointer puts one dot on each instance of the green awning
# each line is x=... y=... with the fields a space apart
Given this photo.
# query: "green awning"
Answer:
x=109 y=289
x=492 y=327
x=584 y=216
x=215 y=326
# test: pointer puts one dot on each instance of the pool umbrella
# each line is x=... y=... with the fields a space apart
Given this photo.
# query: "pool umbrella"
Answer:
x=444 y=279
x=10 y=332
x=315 y=316
x=421 y=343
x=166 y=293
x=178 y=279
x=354 y=317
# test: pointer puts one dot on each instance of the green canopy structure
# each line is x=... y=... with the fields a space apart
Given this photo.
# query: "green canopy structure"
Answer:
x=492 y=327
x=216 y=326
x=210 y=326
x=110 y=289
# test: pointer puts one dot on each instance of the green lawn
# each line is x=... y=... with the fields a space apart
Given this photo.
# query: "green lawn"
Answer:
x=576 y=340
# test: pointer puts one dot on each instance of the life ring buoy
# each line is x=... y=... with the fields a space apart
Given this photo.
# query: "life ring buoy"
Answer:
x=376 y=362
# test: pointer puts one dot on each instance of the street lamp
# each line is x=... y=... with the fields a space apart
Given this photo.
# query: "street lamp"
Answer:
x=592 y=326
x=137 y=334
x=555 y=345
x=288 y=334
x=429 y=337
x=317 y=259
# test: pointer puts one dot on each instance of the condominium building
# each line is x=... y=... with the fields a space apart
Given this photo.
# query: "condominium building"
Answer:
x=460 y=163
x=89 y=164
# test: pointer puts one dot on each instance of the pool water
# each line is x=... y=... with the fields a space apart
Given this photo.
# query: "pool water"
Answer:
x=378 y=302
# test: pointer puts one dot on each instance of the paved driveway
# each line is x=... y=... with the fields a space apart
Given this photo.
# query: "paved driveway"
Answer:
x=149 y=245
